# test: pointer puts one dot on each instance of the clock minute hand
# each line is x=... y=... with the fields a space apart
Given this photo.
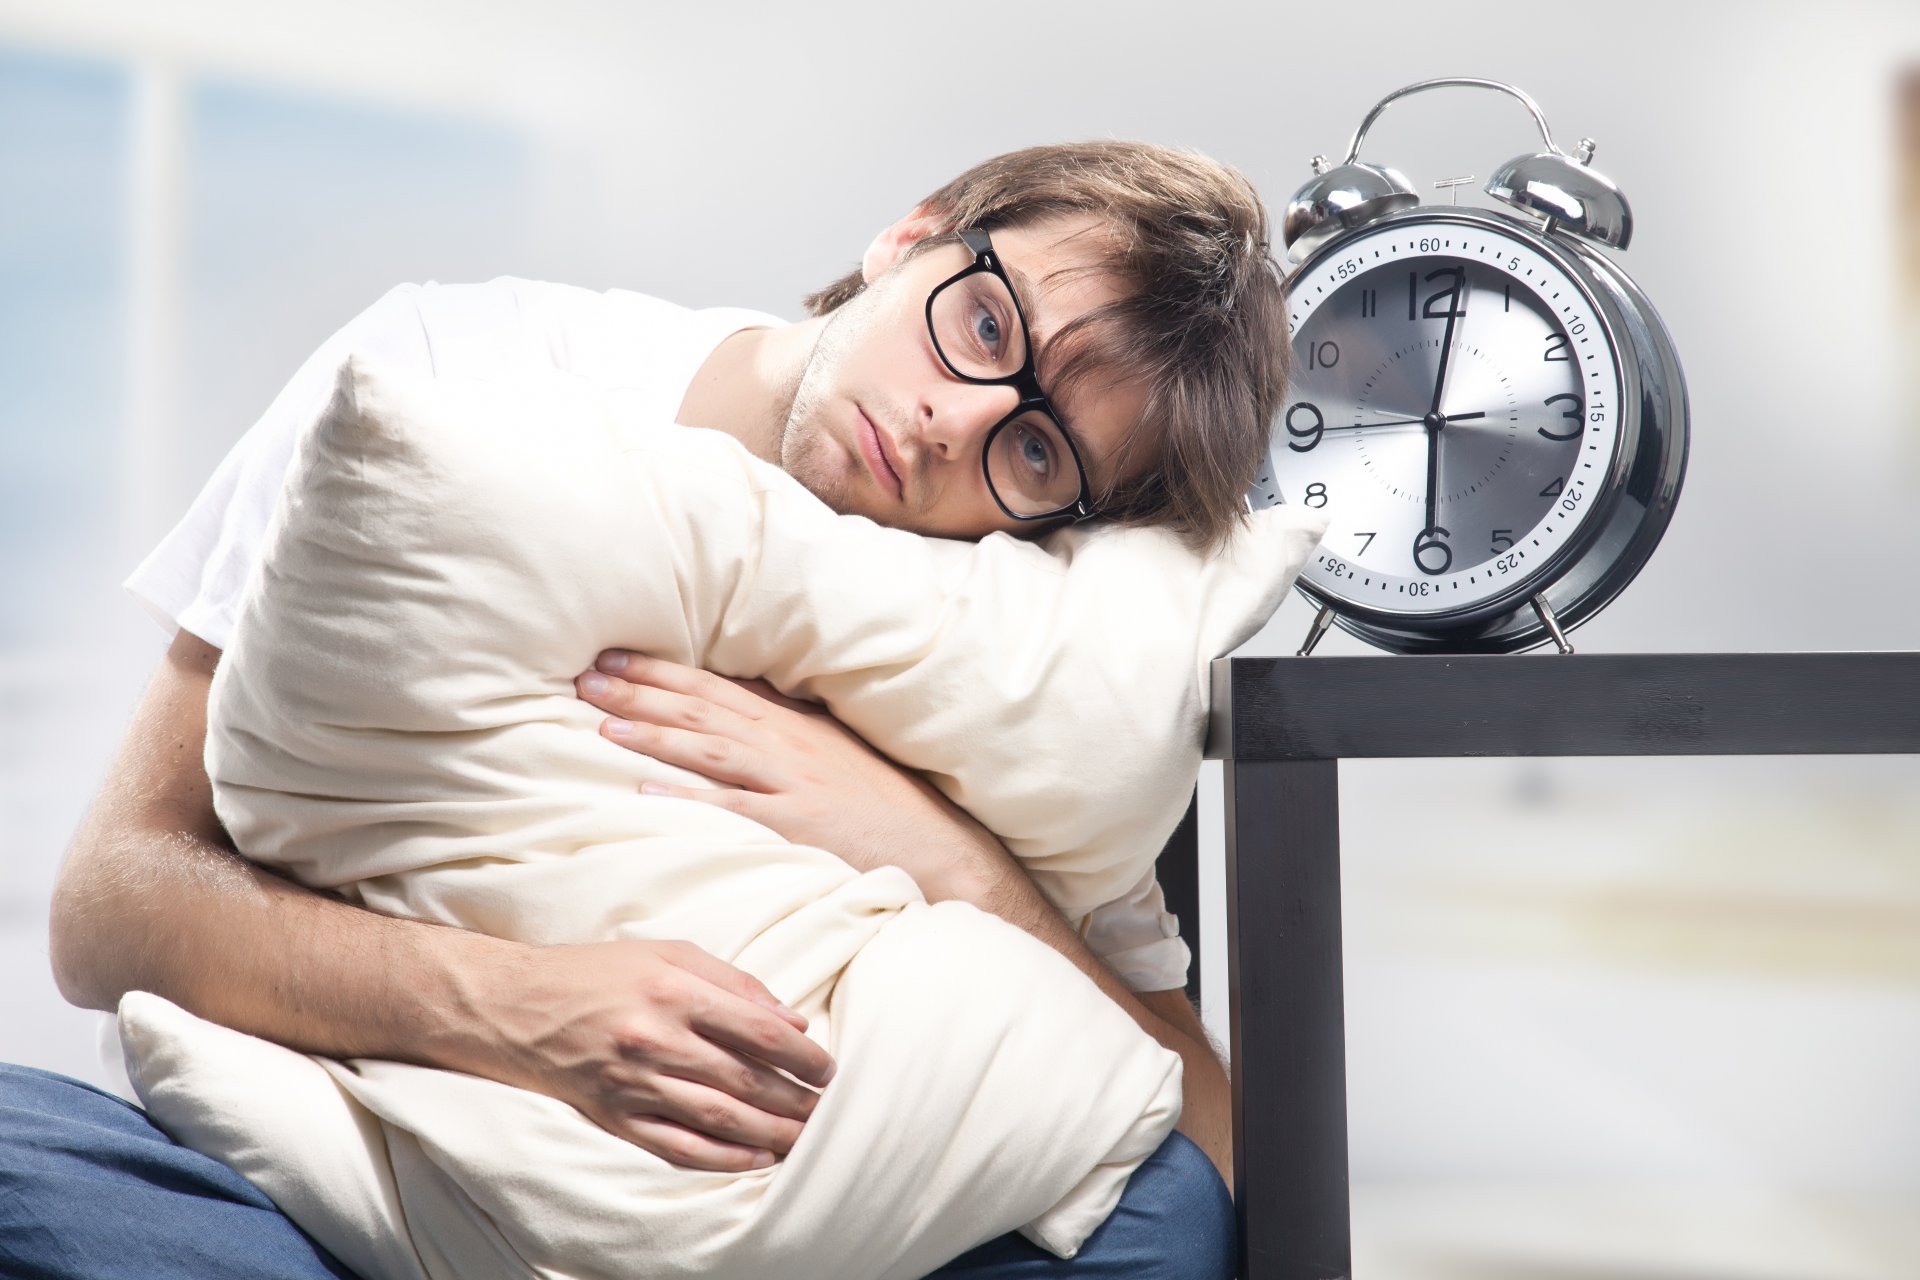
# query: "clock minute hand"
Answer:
x=1435 y=422
x=1455 y=303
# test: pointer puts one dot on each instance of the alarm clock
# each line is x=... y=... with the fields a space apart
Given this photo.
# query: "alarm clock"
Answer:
x=1490 y=412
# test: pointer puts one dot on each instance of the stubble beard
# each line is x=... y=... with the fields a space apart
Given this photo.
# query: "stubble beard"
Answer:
x=807 y=452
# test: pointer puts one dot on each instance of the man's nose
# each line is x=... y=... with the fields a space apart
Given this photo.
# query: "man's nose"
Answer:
x=955 y=418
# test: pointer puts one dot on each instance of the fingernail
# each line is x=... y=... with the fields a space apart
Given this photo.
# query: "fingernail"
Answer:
x=619 y=728
x=612 y=660
x=593 y=683
x=764 y=1160
x=654 y=789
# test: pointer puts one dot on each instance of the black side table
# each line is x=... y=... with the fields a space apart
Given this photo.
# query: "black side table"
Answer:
x=1282 y=725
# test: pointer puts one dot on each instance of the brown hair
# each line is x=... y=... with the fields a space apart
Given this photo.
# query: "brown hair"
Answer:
x=1202 y=318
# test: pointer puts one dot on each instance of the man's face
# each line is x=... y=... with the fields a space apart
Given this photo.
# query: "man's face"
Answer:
x=880 y=427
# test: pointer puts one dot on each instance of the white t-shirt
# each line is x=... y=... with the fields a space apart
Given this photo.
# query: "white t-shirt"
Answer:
x=645 y=347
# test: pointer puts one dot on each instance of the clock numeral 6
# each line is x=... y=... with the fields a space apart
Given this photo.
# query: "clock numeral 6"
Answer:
x=1428 y=541
x=1308 y=414
x=1573 y=414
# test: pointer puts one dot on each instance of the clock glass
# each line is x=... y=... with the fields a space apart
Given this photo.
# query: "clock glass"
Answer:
x=1455 y=409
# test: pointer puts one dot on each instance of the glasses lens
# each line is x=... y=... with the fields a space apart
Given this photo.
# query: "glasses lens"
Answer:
x=1031 y=467
x=976 y=328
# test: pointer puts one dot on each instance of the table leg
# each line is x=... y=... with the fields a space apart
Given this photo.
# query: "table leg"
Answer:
x=1289 y=1029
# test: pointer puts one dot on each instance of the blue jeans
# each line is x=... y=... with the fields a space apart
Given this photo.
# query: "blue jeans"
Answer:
x=91 y=1190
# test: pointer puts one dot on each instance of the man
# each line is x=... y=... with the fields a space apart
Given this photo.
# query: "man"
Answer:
x=1151 y=335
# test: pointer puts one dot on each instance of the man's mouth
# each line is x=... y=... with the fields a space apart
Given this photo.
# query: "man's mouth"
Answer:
x=873 y=449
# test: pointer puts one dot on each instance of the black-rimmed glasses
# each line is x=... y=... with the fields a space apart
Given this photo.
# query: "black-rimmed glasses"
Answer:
x=980 y=334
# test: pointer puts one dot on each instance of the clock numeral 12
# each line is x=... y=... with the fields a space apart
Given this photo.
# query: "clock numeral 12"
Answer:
x=1441 y=303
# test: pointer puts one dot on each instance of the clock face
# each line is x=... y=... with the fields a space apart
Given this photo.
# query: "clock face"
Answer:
x=1455 y=409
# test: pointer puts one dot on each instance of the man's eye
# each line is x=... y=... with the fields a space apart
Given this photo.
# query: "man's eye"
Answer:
x=987 y=330
x=1035 y=454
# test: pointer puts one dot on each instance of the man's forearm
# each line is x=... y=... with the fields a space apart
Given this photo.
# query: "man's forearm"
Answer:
x=992 y=881
x=190 y=920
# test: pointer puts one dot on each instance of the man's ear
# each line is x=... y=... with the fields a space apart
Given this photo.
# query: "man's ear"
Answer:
x=896 y=240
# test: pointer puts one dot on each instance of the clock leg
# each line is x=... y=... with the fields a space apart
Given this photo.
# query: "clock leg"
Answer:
x=1288 y=1020
x=1550 y=622
x=1321 y=622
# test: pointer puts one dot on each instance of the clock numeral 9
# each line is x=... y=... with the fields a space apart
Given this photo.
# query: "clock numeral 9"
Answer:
x=1310 y=433
x=1573 y=415
x=1428 y=541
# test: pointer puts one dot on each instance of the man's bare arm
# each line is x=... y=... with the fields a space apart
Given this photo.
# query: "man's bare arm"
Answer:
x=658 y=1042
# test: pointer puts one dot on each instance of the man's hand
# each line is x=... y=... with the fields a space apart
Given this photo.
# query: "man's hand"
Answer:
x=657 y=1041
x=788 y=765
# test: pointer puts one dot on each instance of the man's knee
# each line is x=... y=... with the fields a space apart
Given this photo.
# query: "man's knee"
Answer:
x=1179 y=1215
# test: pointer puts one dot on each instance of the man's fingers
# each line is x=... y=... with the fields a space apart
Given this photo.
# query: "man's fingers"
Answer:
x=761 y=689
x=718 y=759
x=679 y=1145
x=717 y=1115
x=743 y=1015
x=688 y=681
x=665 y=707
x=756 y=1086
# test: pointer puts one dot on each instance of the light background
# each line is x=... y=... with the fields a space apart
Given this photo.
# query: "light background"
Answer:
x=1605 y=1017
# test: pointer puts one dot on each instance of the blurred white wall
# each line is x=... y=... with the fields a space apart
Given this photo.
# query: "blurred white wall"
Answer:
x=1669 y=1010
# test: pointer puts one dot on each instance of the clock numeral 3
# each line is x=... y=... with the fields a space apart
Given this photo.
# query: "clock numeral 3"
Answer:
x=1305 y=410
x=1573 y=415
x=1427 y=542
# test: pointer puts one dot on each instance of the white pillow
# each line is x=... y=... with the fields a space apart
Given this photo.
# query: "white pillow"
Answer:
x=395 y=718
x=491 y=539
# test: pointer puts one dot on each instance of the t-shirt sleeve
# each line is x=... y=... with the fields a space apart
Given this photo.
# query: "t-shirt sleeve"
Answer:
x=195 y=577
x=1139 y=939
